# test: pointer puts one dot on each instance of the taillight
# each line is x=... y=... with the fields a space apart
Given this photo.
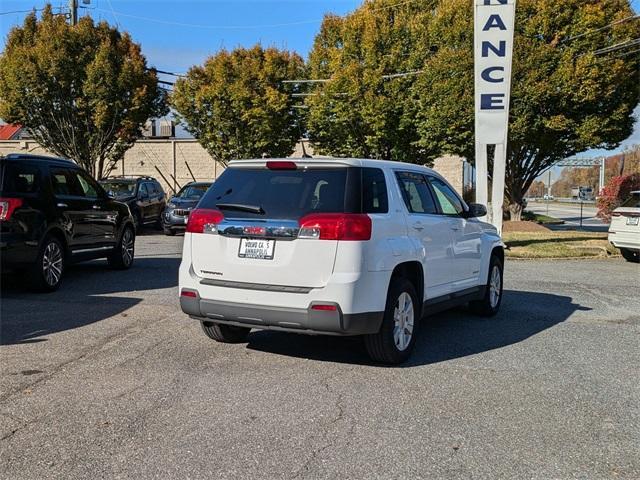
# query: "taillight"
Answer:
x=282 y=165
x=7 y=206
x=203 y=220
x=335 y=226
x=189 y=293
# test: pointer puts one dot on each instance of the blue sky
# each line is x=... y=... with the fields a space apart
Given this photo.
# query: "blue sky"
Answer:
x=179 y=33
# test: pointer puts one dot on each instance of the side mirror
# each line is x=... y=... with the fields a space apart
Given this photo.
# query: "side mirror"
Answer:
x=111 y=195
x=476 y=210
x=143 y=196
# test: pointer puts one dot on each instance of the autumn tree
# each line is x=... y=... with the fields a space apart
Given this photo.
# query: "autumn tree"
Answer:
x=566 y=98
x=362 y=108
x=83 y=91
x=237 y=105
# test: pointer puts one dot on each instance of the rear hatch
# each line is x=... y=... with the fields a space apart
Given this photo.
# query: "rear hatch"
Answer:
x=626 y=218
x=251 y=220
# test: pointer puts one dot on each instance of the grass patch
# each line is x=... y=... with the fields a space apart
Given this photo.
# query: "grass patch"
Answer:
x=558 y=244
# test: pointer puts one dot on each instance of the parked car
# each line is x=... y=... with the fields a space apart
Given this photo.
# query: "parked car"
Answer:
x=547 y=196
x=624 y=231
x=144 y=196
x=52 y=213
x=176 y=213
x=340 y=247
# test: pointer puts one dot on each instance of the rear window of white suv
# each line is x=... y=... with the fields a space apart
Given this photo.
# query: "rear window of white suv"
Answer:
x=291 y=194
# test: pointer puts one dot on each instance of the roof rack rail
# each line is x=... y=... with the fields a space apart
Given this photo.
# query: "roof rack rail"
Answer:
x=46 y=158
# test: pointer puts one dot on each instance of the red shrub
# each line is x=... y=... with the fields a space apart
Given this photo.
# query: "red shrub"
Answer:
x=614 y=193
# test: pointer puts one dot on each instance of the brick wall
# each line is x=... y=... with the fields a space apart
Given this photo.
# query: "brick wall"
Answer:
x=170 y=155
x=451 y=168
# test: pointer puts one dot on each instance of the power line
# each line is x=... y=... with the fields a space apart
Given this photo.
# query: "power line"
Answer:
x=618 y=46
x=238 y=27
x=606 y=27
x=22 y=11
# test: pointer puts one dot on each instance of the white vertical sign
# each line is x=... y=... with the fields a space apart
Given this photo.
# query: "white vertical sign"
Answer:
x=493 y=48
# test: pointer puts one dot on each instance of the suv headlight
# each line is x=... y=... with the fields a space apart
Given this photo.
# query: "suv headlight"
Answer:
x=171 y=205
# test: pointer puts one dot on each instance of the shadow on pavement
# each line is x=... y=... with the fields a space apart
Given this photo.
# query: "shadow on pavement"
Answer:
x=85 y=297
x=445 y=336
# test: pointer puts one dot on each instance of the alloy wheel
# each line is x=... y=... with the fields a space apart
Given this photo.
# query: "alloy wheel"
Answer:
x=495 y=285
x=127 y=247
x=403 y=317
x=52 y=264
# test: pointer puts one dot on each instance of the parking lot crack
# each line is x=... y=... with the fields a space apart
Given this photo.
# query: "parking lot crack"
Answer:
x=328 y=430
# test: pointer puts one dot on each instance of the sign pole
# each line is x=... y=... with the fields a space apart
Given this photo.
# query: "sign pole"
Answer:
x=493 y=48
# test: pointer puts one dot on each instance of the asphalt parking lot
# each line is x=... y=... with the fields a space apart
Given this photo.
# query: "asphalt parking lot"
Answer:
x=106 y=378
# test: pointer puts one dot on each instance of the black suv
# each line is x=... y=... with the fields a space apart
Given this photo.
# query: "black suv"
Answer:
x=52 y=213
x=144 y=196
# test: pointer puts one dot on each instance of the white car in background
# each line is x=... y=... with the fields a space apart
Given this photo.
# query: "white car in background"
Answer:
x=624 y=231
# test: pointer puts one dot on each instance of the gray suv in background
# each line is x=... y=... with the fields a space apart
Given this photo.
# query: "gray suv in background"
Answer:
x=176 y=214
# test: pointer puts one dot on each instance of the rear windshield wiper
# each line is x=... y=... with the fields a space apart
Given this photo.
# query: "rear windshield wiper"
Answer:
x=239 y=207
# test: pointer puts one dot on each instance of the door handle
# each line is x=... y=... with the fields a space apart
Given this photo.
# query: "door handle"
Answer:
x=62 y=205
x=418 y=226
x=455 y=228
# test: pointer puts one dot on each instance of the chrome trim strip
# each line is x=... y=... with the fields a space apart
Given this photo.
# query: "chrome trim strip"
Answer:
x=85 y=250
x=255 y=286
x=274 y=229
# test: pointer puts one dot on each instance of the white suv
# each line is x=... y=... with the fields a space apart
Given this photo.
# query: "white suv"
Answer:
x=335 y=247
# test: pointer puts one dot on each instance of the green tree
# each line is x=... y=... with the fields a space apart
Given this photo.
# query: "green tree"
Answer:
x=82 y=91
x=565 y=98
x=360 y=110
x=237 y=106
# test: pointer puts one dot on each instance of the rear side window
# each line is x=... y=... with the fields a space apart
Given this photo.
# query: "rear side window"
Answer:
x=18 y=178
x=374 y=191
x=633 y=201
x=280 y=194
x=416 y=193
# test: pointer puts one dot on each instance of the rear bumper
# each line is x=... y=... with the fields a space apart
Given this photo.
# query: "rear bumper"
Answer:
x=622 y=239
x=16 y=252
x=297 y=320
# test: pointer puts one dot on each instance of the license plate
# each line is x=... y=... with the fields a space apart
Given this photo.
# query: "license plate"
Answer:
x=256 y=248
x=632 y=220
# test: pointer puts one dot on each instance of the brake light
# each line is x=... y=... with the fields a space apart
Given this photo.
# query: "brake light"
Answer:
x=189 y=293
x=335 y=226
x=204 y=220
x=282 y=165
x=7 y=206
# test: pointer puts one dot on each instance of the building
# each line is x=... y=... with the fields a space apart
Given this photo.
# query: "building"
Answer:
x=177 y=161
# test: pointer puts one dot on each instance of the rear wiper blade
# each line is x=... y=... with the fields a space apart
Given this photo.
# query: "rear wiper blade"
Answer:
x=241 y=208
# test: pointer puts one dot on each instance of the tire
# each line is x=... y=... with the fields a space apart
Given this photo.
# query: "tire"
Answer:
x=630 y=255
x=225 y=333
x=169 y=232
x=489 y=305
x=45 y=275
x=394 y=342
x=124 y=252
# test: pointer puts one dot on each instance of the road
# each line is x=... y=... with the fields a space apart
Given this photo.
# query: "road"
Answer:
x=106 y=378
x=570 y=213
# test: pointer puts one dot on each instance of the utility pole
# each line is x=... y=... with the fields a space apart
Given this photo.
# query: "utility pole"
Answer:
x=73 y=8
